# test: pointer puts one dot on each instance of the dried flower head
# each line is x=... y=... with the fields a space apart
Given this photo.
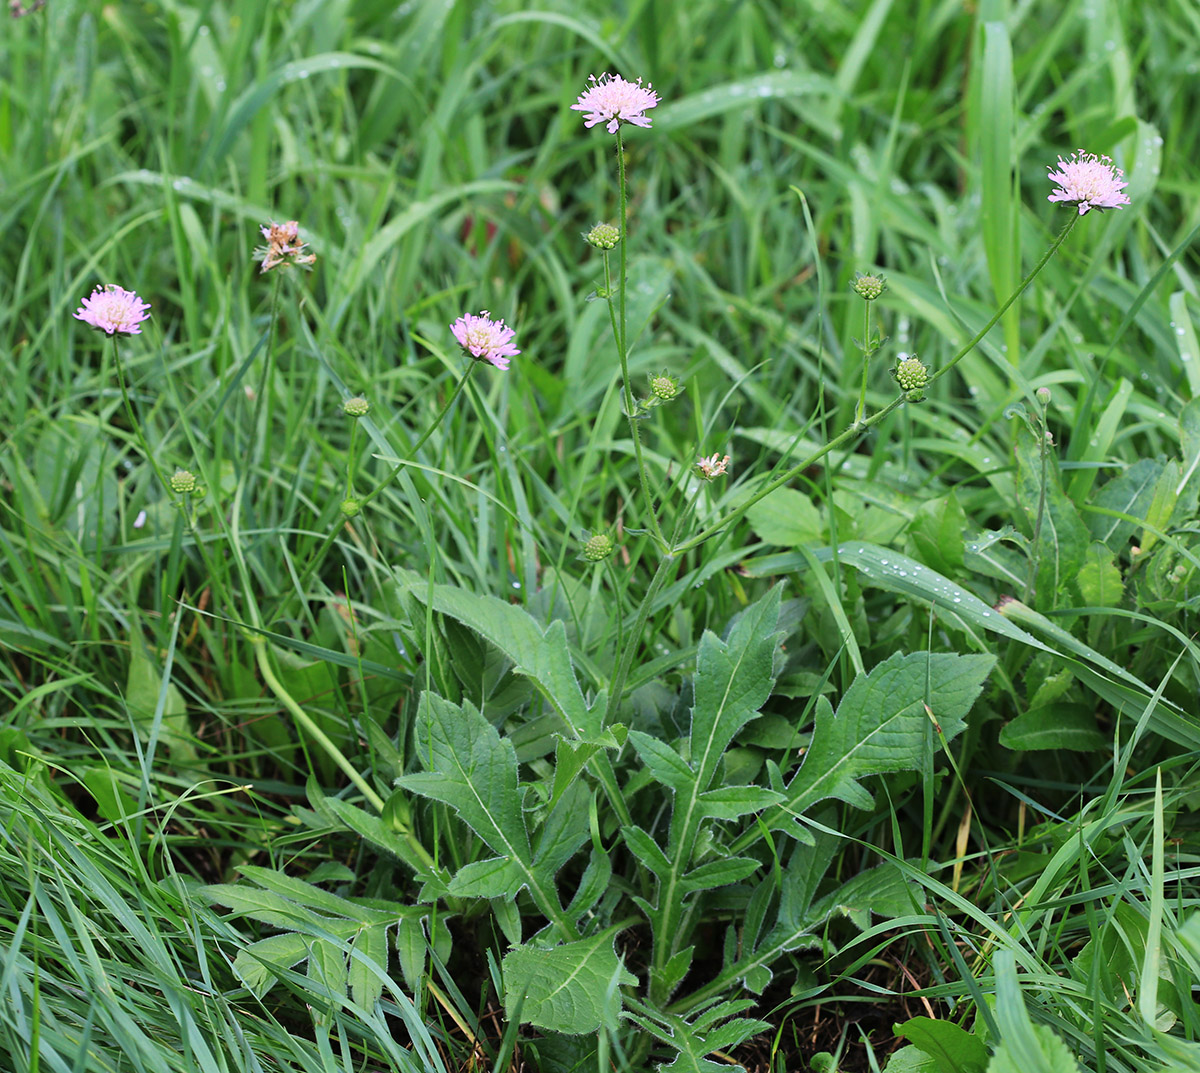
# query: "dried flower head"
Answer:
x=598 y=548
x=870 y=287
x=356 y=407
x=113 y=309
x=485 y=339
x=610 y=99
x=1089 y=181
x=603 y=236
x=709 y=469
x=283 y=247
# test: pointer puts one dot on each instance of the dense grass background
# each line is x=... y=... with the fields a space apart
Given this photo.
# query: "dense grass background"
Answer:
x=430 y=154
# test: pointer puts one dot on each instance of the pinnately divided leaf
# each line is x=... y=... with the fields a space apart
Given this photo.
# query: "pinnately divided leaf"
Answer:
x=881 y=723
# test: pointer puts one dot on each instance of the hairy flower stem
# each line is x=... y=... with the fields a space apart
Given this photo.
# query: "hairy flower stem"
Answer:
x=860 y=411
x=264 y=380
x=135 y=426
x=620 y=333
x=332 y=535
x=857 y=430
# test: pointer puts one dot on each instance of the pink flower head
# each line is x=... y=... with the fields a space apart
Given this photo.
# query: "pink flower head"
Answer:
x=112 y=309
x=485 y=339
x=1089 y=181
x=610 y=99
x=709 y=469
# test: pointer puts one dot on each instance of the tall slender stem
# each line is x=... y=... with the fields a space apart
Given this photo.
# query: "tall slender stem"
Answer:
x=264 y=387
x=875 y=418
x=861 y=411
x=620 y=330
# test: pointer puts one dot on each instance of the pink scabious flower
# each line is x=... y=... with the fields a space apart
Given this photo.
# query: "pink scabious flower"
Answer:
x=1089 y=181
x=112 y=309
x=610 y=99
x=485 y=339
x=709 y=469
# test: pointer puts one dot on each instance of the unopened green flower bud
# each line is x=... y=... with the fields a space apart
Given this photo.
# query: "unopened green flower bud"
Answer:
x=912 y=375
x=183 y=482
x=350 y=506
x=664 y=387
x=869 y=287
x=598 y=548
x=603 y=236
x=1043 y=395
x=356 y=407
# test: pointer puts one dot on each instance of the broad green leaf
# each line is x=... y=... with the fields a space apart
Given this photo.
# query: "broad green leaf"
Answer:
x=730 y=802
x=1129 y=493
x=938 y=534
x=664 y=763
x=564 y=831
x=564 y=988
x=496 y=877
x=880 y=891
x=1059 y=536
x=1099 y=580
x=880 y=725
x=473 y=770
x=910 y=1060
x=646 y=850
x=719 y=873
x=733 y=680
x=1121 y=688
x=1057 y=726
x=256 y=965
x=953 y=1049
x=539 y=652
x=592 y=887
x=366 y=977
x=786 y=517
x=1162 y=505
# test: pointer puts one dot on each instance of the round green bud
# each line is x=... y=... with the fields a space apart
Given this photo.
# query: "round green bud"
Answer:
x=1043 y=395
x=183 y=482
x=664 y=387
x=350 y=506
x=869 y=287
x=603 y=236
x=356 y=407
x=911 y=374
x=598 y=548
